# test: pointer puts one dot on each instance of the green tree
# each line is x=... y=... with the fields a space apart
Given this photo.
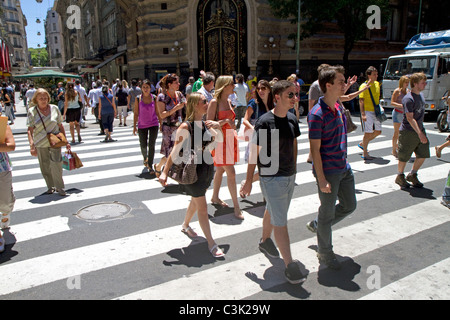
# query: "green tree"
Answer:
x=350 y=16
x=39 y=57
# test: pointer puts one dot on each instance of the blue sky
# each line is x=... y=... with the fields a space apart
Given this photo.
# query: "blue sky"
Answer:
x=33 y=10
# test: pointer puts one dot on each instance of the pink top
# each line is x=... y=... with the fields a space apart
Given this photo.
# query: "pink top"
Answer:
x=147 y=114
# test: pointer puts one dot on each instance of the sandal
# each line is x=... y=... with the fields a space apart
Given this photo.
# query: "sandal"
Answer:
x=189 y=232
x=216 y=251
x=438 y=153
x=4 y=223
x=157 y=172
x=220 y=203
x=240 y=190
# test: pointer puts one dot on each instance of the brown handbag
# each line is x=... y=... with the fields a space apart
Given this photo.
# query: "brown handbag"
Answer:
x=350 y=125
x=56 y=140
x=186 y=171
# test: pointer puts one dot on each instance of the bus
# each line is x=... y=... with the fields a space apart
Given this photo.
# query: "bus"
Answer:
x=428 y=53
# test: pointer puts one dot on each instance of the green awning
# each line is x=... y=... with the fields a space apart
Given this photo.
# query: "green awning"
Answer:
x=48 y=74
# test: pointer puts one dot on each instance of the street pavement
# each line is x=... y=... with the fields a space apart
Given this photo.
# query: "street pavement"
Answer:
x=394 y=246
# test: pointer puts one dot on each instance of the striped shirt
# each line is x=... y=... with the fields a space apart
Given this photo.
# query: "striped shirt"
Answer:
x=52 y=122
x=330 y=127
x=5 y=163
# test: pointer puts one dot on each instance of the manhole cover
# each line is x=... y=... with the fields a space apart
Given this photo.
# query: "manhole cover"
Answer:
x=104 y=211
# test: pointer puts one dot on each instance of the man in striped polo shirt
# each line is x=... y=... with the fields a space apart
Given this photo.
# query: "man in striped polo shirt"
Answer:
x=328 y=144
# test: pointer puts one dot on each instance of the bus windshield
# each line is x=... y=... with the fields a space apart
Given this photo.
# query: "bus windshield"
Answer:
x=397 y=67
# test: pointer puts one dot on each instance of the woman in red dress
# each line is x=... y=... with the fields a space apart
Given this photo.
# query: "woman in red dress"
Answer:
x=226 y=154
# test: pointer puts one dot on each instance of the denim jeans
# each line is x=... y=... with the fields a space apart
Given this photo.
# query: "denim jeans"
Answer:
x=330 y=213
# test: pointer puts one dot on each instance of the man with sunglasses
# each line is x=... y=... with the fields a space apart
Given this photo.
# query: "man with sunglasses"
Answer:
x=328 y=144
x=274 y=150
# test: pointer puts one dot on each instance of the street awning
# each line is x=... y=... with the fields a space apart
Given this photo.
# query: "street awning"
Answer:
x=48 y=74
x=104 y=63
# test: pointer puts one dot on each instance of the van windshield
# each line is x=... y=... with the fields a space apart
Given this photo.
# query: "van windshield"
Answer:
x=397 y=67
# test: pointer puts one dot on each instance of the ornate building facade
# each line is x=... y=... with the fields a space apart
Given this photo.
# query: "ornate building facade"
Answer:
x=243 y=36
x=148 y=38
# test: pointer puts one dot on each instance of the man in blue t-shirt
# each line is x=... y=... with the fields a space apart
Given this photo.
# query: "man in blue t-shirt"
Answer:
x=328 y=144
x=412 y=136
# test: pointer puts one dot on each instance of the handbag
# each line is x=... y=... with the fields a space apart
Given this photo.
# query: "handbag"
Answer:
x=56 y=140
x=351 y=126
x=186 y=171
x=379 y=111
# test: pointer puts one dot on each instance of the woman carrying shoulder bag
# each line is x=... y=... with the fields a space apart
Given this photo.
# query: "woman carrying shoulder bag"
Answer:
x=45 y=118
x=197 y=106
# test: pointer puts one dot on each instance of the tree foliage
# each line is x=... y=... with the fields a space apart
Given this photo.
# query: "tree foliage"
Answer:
x=39 y=57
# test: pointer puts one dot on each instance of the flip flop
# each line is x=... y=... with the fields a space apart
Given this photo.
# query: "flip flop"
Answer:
x=368 y=158
x=216 y=251
x=222 y=203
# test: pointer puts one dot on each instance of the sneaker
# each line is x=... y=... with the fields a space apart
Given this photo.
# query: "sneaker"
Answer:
x=401 y=181
x=293 y=273
x=412 y=177
x=329 y=260
x=445 y=203
x=312 y=226
x=268 y=247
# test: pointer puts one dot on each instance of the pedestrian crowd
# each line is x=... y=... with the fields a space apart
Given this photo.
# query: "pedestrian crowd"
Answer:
x=210 y=118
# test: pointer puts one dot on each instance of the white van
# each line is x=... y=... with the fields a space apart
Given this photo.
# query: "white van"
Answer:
x=428 y=53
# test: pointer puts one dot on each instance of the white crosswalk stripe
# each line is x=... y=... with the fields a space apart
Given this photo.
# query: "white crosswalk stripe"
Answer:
x=114 y=171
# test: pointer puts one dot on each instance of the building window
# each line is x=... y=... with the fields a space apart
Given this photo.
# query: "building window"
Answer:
x=163 y=6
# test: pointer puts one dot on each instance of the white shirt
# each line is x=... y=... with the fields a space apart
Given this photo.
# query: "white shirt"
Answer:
x=82 y=92
x=30 y=93
x=241 y=90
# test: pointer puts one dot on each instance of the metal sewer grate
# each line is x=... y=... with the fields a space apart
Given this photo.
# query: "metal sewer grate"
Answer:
x=104 y=211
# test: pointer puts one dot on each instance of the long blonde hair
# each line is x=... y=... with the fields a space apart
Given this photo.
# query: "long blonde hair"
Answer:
x=221 y=83
x=191 y=105
x=402 y=81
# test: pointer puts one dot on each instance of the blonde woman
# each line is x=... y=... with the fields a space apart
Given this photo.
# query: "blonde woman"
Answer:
x=50 y=159
x=72 y=110
x=397 y=114
x=196 y=107
x=226 y=154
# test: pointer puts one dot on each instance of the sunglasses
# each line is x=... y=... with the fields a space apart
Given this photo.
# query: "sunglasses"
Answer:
x=292 y=95
x=204 y=101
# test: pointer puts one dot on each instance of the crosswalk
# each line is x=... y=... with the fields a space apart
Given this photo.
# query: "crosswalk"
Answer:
x=393 y=240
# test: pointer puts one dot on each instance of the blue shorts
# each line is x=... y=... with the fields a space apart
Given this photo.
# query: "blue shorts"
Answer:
x=397 y=117
x=278 y=193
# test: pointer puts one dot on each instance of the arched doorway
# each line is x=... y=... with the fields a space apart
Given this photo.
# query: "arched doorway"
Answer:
x=222 y=36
